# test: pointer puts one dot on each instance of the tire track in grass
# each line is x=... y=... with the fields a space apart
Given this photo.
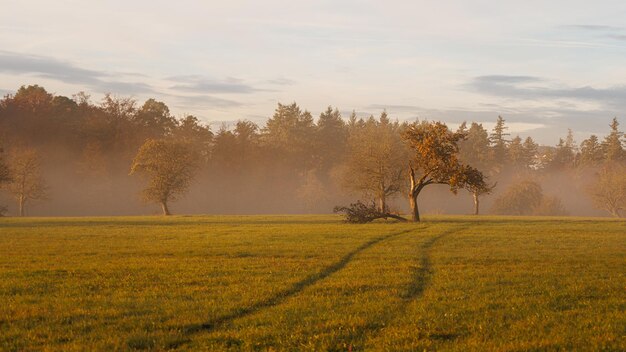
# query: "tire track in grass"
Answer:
x=422 y=277
x=423 y=274
x=291 y=291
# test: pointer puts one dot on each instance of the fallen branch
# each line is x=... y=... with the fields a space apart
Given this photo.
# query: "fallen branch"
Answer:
x=360 y=213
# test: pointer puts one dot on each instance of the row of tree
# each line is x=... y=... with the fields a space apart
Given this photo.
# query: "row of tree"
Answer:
x=293 y=163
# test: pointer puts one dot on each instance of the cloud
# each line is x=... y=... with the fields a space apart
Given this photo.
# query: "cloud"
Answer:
x=507 y=79
x=618 y=36
x=392 y=107
x=66 y=72
x=609 y=32
x=205 y=101
x=200 y=84
x=534 y=88
x=281 y=81
x=593 y=27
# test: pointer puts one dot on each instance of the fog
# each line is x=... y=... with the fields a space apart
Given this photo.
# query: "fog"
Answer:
x=295 y=164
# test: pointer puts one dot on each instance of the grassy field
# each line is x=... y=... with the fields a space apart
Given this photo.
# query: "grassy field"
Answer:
x=312 y=283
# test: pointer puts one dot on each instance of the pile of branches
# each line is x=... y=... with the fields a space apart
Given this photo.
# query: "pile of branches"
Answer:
x=360 y=213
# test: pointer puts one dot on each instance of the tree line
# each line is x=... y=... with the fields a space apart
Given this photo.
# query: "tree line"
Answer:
x=57 y=148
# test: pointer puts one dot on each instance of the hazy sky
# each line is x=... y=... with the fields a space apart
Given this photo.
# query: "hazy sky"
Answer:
x=543 y=65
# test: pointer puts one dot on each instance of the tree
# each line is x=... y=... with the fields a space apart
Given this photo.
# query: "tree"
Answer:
x=476 y=184
x=5 y=178
x=565 y=152
x=550 y=206
x=291 y=134
x=474 y=149
x=375 y=160
x=590 y=151
x=608 y=192
x=499 y=142
x=5 y=173
x=190 y=130
x=169 y=167
x=435 y=160
x=332 y=136
x=612 y=145
x=312 y=192
x=154 y=119
x=516 y=153
x=115 y=128
x=531 y=150
x=519 y=199
x=27 y=183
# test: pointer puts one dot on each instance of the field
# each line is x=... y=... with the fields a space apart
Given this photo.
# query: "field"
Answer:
x=312 y=283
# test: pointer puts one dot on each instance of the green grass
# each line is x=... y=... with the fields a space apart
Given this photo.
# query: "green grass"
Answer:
x=312 y=283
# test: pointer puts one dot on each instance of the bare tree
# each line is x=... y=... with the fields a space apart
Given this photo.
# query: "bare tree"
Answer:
x=168 y=166
x=608 y=192
x=27 y=183
x=375 y=160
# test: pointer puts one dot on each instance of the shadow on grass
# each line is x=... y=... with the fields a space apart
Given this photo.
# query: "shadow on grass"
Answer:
x=291 y=291
x=423 y=274
x=416 y=288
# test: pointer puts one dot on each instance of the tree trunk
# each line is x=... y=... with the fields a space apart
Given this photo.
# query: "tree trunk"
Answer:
x=166 y=211
x=382 y=204
x=413 y=193
x=476 y=203
x=415 y=213
x=21 y=205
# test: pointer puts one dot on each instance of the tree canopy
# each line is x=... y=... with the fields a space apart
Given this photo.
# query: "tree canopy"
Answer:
x=168 y=166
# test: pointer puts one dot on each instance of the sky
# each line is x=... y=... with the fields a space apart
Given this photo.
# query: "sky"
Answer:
x=545 y=66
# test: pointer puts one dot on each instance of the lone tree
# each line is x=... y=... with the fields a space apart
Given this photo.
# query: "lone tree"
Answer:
x=27 y=183
x=435 y=161
x=375 y=160
x=608 y=192
x=168 y=166
x=476 y=184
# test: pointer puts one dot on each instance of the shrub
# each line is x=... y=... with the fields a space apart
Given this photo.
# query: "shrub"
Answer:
x=526 y=198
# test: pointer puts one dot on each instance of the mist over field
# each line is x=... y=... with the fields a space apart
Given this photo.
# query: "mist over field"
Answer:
x=294 y=163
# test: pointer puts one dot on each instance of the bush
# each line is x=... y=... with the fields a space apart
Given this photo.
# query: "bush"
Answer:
x=526 y=198
x=519 y=199
x=550 y=206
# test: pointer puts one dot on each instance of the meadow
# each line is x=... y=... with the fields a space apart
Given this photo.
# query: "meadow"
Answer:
x=312 y=283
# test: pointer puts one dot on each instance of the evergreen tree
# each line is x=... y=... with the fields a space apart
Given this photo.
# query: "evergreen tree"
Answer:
x=516 y=153
x=612 y=145
x=591 y=152
x=499 y=142
x=332 y=135
x=474 y=149
x=531 y=150
x=565 y=152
